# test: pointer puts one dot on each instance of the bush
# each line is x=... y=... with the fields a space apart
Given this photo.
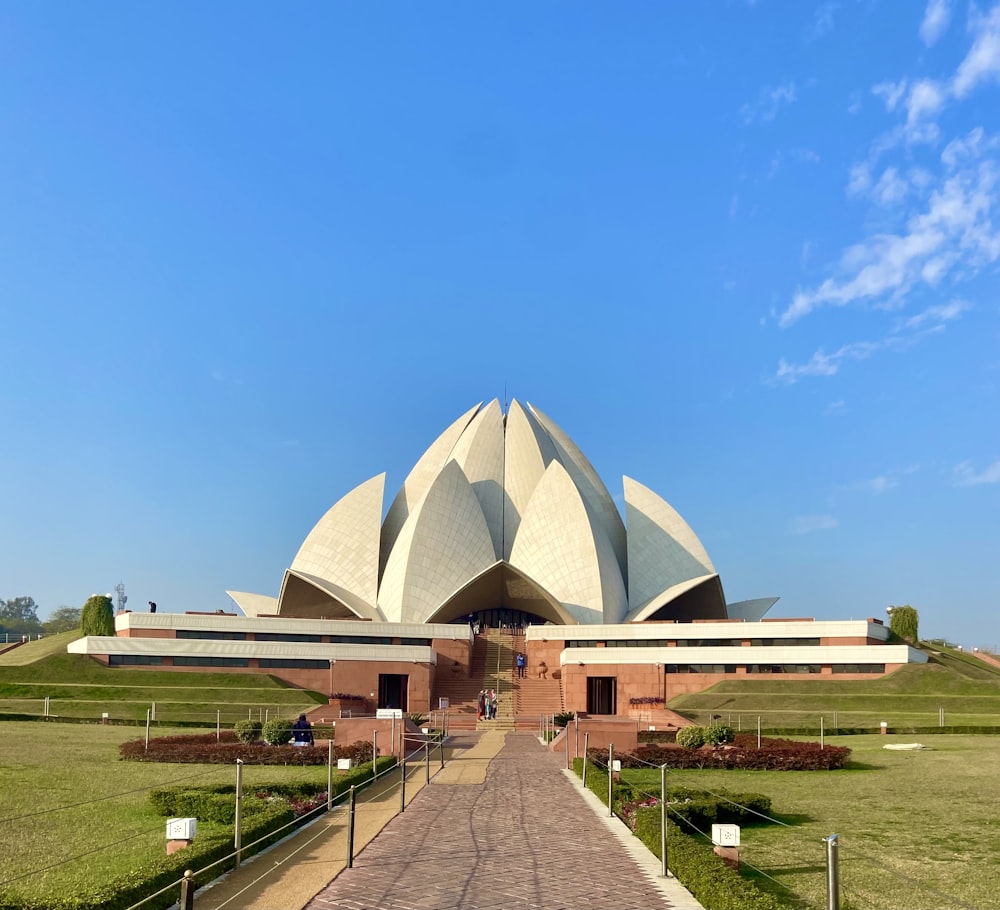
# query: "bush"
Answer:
x=563 y=718
x=247 y=731
x=691 y=737
x=719 y=734
x=697 y=868
x=97 y=616
x=204 y=749
x=277 y=731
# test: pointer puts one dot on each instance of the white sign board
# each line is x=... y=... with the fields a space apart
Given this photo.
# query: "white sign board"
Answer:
x=387 y=713
x=443 y=703
x=725 y=835
x=343 y=764
x=616 y=764
x=181 y=828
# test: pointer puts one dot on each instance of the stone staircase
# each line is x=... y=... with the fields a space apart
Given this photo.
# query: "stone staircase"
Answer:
x=498 y=674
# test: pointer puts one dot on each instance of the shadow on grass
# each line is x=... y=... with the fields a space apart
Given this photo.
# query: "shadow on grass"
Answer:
x=863 y=766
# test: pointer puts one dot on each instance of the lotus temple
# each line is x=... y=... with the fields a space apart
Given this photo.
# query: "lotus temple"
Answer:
x=502 y=540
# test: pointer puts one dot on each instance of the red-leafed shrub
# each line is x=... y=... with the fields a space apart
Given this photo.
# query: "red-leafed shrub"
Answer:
x=205 y=749
x=773 y=755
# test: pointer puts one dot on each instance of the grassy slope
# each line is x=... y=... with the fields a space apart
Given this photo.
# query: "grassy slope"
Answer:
x=46 y=770
x=967 y=689
x=79 y=686
x=908 y=822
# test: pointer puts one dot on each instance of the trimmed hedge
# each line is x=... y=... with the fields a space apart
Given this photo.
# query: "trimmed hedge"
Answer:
x=705 y=875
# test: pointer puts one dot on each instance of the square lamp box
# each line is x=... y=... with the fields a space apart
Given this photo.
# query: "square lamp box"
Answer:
x=725 y=835
x=181 y=828
x=343 y=764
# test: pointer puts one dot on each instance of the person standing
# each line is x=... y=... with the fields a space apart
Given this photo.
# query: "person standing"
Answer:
x=521 y=662
x=481 y=704
x=302 y=734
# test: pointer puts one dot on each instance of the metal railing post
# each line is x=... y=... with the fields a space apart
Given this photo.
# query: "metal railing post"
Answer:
x=663 y=821
x=238 y=817
x=586 y=740
x=427 y=757
x=402 y=773
x=832 y=872
x=441 y=748
x=329 y=775
x=186 y=901
x=374 y=754
x=611 y=778
x=350 y=832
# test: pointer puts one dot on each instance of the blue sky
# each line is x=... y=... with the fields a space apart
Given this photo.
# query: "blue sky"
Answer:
x=746 y=253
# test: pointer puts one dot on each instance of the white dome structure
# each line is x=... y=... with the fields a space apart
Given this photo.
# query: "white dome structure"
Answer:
x=502 y=512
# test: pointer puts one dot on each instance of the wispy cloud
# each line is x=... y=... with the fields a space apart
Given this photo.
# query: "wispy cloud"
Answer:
x=822 y=23
x=769 y=102
x=904 y=335
x=965 y=476
x=946 y=214
x=956 y=226
x=982 y=63
x=836 y=408
x=935 y=22
x=806 y=524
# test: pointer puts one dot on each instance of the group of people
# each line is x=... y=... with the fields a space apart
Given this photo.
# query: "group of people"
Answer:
x=487 y=704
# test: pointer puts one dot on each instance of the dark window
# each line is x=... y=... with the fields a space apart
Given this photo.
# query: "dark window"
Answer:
x=213 y=662
x=212 y=636
x=290 y=664
x=424 y=642
x=859 y=668
x=359 y=640
x=281 y=636
x=122 y=660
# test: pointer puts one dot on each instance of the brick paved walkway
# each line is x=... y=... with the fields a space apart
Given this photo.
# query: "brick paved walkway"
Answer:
x=524 y=838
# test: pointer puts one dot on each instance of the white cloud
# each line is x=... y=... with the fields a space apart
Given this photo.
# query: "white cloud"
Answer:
x=982 y=63
x=822 y=364
x=806 y=524
x=769 y=101
x=925 y=100
x=822 y=22
x=935 y=316
x=904 y=335
x=938 y=222
x=881 y=484
x=955 y=226
x=836 y=408
x=891 y=187
x=890 y=92
x=935 y=23
x=964 y=475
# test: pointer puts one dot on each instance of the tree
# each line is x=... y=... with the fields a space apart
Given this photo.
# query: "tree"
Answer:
x=65 y=619
x=97 y=616
x=903 y=622
x=20 y=616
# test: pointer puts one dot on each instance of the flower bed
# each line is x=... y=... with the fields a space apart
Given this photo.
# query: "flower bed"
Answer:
x=205 y=749
x=773 y=755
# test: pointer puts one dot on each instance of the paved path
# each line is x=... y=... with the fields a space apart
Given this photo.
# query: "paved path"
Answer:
x=516 y=835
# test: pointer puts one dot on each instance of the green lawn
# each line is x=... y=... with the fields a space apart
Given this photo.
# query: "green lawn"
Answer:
x=914 y=827
x=967 y=690
x=73 y=814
